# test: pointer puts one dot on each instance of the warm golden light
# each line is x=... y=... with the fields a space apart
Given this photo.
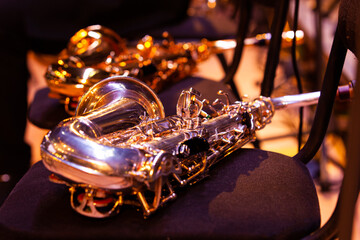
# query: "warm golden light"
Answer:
x=202 y=48
x=147 y=44
x=95 y=35
x=82 y=33
x=88 y=73
x=211 y=3
x=225 y=44
x=79 y=45
x=83 y=81
x=58 y=74
x=79 y=35
x=140 y=47
x=289 y=35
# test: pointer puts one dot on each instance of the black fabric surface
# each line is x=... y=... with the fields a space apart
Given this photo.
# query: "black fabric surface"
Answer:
x=48 y=25
x=46 y=112
x=250 y=194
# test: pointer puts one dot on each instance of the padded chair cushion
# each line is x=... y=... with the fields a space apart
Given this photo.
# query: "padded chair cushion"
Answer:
x=45 y=112
x=251 y=194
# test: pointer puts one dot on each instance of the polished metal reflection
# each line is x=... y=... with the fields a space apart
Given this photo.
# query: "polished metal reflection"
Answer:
x=109 y=106
x=96 y=52
x=120 y=149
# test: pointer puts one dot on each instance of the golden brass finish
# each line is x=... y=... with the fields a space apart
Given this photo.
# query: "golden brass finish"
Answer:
x=96 y=52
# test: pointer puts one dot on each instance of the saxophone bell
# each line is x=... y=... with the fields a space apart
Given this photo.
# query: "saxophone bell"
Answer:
x=93 y=45
x=96 y=52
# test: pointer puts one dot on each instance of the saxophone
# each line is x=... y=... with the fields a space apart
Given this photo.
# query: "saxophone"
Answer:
x=120 y=149
x=96 y=52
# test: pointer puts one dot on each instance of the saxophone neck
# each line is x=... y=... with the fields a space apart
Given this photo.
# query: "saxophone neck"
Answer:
x=298 y=100
x=344 y=93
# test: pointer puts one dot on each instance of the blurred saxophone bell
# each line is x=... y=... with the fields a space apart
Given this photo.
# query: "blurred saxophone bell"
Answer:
x=96 y=52
x=94 y=44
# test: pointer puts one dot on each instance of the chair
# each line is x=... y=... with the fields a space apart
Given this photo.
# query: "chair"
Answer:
x=346 y=37
x=217 y=207
x=245 y=8
x=251 y=194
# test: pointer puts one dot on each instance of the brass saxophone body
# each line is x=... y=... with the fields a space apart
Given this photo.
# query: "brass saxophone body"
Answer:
x=120 y=149
x=96 y=52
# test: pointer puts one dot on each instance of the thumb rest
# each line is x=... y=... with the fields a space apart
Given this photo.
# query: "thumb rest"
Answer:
x=96 y=52
x=120 y=149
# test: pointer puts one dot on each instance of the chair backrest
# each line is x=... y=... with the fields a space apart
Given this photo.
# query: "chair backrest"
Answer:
x=245 y=8
x=326 y=101
x=347 y=37
x=349 y=27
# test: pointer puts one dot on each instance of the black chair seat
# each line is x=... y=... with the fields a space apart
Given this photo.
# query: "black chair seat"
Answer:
x=250 y=194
